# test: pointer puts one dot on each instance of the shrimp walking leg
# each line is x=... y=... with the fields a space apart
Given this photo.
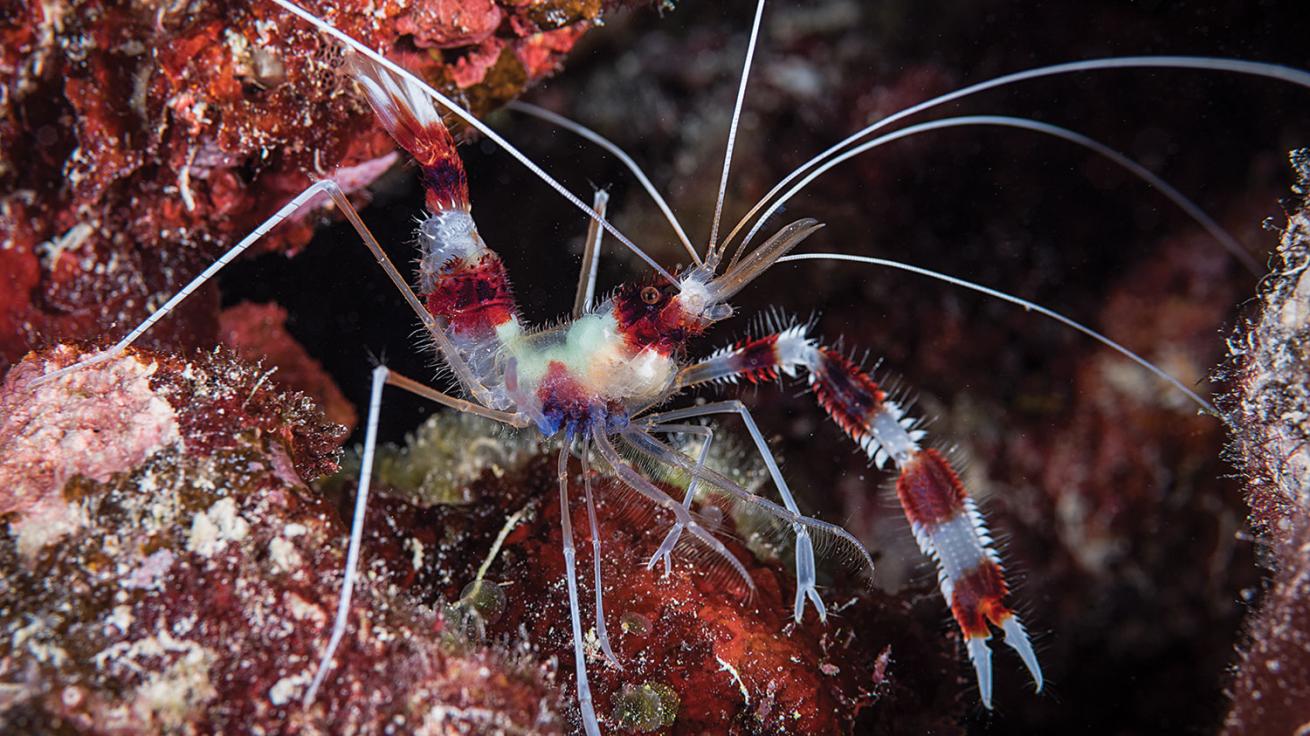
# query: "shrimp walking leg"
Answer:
x=602 y=633
x=634 y=480
x=646 y=444
x=806 y=574
x=585 y=704
x=304 y=199
x=381 y=377
x=590 y=256
x=665 y=551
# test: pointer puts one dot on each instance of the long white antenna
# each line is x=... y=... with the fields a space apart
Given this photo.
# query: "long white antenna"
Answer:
x=1031 y=306
x=577 y=128
x=478 y=125
x=1193 y=210
x=711 y=254
x=1251 y=68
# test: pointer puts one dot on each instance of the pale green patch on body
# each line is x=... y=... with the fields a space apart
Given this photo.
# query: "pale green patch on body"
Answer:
x=577 y=347
x=594 y=352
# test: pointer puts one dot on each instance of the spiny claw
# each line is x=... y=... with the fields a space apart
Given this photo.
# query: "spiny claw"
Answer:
x=1017 y=639
x=805 y=577
x=981 y=656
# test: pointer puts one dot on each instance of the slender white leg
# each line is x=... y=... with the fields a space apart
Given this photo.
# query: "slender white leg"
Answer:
x=331 y=189
x=805 y=568
x=665 y=551
x=381 y=377
x=634 y=480
x=590 y=257
x=356 y=532
x=314 y=191
x=585 y=705
x=601 y=632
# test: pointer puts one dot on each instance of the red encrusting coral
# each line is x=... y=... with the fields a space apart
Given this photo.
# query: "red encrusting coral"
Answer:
x=257 y=332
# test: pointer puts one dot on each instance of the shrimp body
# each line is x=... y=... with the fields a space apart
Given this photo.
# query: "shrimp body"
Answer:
x=600 y=380
x=600 y=373
x=595 y=369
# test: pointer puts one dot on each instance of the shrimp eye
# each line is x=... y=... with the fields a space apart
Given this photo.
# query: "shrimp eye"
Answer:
x=650 y=295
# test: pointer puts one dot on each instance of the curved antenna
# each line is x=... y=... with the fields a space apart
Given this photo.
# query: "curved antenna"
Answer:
x=478 y=125
x=713 y=254
x=1251 y=68
x=1205 y=406
x=1193 y=210
x=579 y=129
x=1181 y=200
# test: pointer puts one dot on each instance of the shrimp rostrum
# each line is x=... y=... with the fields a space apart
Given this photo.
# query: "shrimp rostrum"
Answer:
x=603 y=381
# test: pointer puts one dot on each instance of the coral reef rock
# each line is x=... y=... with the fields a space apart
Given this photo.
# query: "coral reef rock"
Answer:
x=1270 y=413
x=193 y=579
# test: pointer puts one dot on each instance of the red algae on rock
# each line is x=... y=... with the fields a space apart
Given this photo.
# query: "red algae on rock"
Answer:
x=195 y=590
x=257 y=332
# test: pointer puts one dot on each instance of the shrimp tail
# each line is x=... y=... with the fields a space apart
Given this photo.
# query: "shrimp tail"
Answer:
x=407 y=113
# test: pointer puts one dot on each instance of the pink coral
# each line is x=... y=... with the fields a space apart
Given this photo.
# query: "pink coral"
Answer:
x=69 y=427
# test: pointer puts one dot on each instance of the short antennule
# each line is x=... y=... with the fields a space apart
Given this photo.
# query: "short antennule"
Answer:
x=409 y=116
x=760 y=259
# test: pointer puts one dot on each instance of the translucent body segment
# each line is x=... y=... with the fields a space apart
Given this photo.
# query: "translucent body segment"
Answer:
x=473 y=296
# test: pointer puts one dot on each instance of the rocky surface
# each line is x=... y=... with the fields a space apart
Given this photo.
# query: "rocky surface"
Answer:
x=1270 y=406
x=186 y=576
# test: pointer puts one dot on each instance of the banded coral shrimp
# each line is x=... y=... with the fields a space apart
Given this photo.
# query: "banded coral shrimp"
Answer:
x=1078 y=463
